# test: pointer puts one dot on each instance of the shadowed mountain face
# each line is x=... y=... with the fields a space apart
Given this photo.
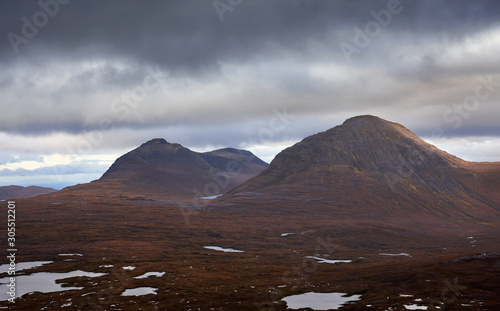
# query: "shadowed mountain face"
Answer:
x=161 y=170
x=374 y=167
x=18 y=192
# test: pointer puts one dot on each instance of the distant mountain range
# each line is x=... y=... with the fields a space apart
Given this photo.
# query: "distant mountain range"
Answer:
x=18 y=192
x=371 y=168
x=161 y=170
x=366 y=168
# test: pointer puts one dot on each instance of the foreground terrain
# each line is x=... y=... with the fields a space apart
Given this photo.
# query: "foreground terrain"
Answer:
x=444 y=272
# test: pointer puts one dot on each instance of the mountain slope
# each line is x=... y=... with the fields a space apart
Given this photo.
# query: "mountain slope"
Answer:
x=374 y=168
x=18 y=192
x=161 y=170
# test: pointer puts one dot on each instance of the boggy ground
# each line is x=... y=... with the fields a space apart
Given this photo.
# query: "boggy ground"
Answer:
x=153 y=236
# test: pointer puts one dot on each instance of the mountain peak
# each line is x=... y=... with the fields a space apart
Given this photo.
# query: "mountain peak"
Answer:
x=158 y=169
x=364 y=118
x=155 y=141
x=366 y=144
x=368 y=122
x=375 y=166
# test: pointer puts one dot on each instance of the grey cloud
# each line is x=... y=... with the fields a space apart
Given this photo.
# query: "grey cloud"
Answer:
x=14 y=157
x=188 y=42
x=107 y=76
x=56 y=170
x=188 y=35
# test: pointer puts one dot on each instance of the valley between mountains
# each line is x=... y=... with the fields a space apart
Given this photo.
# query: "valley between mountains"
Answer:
x=365 y=208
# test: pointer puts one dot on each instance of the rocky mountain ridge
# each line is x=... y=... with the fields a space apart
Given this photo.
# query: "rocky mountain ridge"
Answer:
x=161 y=170
x=373 y=166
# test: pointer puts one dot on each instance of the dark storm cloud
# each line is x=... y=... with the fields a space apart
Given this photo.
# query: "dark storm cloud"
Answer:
x=189 y=36
x=267 y=54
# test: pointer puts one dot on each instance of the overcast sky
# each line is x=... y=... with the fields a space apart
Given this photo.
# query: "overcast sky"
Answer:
x=83 y=82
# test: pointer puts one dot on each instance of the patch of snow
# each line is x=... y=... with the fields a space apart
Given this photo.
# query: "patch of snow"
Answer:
x=285 y=234
x=319 y=301
x=106 y=266
x=129 y=268
x=220 y=249
x=140 y=291
x=403 y=295
x=70 y=254
x=210 y=197
x=323 y=260
x=146 y=275
x=415 y=307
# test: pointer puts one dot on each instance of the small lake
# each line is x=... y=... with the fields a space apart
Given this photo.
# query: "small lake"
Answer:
x=323 y=260
x=129 y=268
x=319 y=301
x=146 y=275
x=24 y=265
x=212 y=197
x=220 y=249
x=415 y=307
x=140 y=291
x=43 y=282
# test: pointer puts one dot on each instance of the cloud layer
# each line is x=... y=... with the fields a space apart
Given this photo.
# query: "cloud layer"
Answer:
x=93 y=77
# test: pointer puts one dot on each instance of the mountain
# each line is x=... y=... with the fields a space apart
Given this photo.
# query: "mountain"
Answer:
x=18 y=192
x=371 y=168
x=158 y=169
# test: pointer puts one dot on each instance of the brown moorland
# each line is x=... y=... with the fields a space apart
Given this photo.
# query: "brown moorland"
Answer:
x=420 y=226
x=19 y=192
